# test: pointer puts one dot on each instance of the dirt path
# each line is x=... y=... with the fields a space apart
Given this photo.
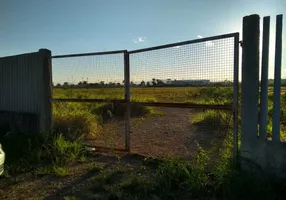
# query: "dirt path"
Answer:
x=168 y=135
x=80 y=182
x=164 y=135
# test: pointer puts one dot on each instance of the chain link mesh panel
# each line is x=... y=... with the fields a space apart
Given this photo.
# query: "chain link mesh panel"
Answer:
x=90 y=77
x=173 y=74
x=98 y=76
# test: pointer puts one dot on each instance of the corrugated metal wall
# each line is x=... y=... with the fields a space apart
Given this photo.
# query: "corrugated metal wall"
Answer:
x=22 y=84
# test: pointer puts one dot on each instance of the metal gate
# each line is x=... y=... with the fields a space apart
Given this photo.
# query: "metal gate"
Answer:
x=170 y=76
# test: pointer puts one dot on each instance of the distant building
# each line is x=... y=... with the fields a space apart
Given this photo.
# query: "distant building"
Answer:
x=187 y=82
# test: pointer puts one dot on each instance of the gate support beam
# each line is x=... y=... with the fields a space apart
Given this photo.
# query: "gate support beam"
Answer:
x=127 y=99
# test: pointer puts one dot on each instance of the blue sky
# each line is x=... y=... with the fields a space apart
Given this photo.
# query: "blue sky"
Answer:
x=72 y=26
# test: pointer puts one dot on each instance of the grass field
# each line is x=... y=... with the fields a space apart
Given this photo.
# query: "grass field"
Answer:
x=159 y=94
x=88 y=118
x=62 y=161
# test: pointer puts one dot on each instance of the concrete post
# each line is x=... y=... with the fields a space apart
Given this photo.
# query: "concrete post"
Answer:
x=277 y=81
x=264 y=80
x=250 y=84
x=46 y=114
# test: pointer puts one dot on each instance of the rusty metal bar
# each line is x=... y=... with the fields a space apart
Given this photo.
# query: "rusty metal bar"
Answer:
x=227 y=107
x=127 y=99
x=277 y=80
x=235 y=97
x=264 y=80
x=106 y=148
x=54 y=100
x=184 y=43
x=88 y=54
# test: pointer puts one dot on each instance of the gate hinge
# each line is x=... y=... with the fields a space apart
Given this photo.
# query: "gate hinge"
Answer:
x=241 y=43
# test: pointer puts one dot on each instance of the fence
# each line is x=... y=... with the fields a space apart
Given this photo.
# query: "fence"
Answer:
x=261 y=148
x=25 y=92
x=150 y=86
x=88 y=86
x=183 y=84
x=134 y=84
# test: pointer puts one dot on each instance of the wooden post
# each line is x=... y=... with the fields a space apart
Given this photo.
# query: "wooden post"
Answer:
x=264 y=80
x=277 y=81
x=250 y=82
x=127 y=99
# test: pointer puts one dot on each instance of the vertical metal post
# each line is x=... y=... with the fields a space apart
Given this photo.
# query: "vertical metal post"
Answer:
x=250 y=82
x=127 y=99
x=277 y=81
x=235 y=97
x=264 y=80
x=46 y=114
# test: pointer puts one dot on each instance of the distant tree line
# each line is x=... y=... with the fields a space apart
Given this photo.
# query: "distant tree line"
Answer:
x=271 y=82
x=153 y=83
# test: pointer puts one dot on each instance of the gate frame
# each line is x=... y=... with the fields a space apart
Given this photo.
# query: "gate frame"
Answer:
x=226 y=107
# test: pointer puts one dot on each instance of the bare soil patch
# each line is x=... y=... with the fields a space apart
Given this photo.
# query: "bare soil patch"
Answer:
x=170 y=134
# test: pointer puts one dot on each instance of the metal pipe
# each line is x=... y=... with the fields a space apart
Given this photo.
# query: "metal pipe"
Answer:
x=226 y=107
x=55 y=100
x=105 y=148
x=184 y=43
x=88 y=54
x=235 y=98
x=127 y=99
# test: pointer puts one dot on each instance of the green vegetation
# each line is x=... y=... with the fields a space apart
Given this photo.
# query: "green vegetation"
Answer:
x=200 y=178
x=95 y=167
x=41 y=154
x=203 y=177
x=213 y=120
x=74 y=120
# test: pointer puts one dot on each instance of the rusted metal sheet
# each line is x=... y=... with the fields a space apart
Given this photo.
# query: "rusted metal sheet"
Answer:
x=19 y=83
x=23 y=86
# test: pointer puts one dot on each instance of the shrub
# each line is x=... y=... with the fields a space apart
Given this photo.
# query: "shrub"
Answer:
x=118 y=109
x=74 y=121
x=216 y=120
x=221 y=95
x=63 y=151
x=27 y=152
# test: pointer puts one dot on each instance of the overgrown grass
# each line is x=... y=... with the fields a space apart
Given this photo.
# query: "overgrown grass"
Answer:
x=33 y=153
x=282 y=117
x=200 y=178
x=52 y=170
x=93 y=167
x=85 y=120
x=213 y=120
x=74 y=121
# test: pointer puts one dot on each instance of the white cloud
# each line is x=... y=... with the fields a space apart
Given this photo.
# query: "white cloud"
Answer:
x=139 y=39
x=199 y=36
